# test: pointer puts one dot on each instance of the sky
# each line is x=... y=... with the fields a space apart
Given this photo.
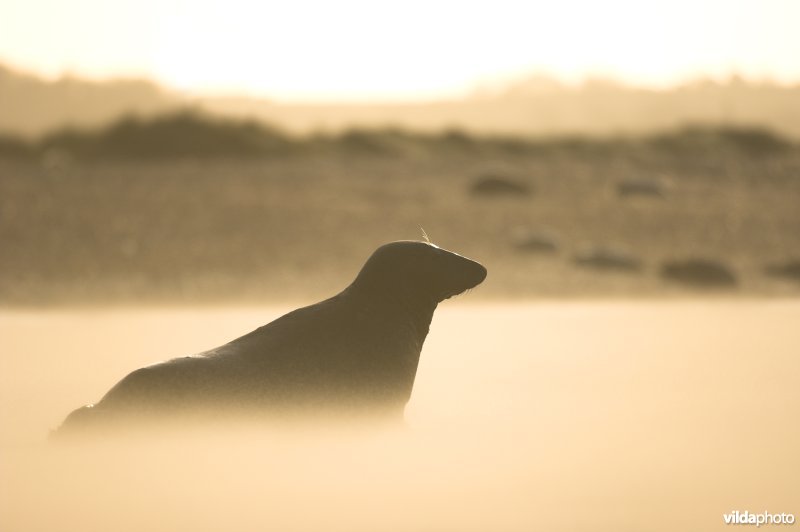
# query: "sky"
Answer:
x=306 y=50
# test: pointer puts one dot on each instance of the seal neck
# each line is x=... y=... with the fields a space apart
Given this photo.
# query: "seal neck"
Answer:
x=391 y=305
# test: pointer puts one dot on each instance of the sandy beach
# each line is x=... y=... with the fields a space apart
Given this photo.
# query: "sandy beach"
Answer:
x=616 y=415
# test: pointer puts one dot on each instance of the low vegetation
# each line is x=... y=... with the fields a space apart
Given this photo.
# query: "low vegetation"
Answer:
x=186 y=208
x=190 y=134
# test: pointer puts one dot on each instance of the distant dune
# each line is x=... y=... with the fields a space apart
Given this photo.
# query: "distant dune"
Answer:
x=537 y=106
x=30 y=106
x=540 y=107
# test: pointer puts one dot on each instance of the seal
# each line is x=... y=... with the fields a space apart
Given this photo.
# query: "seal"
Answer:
x=355 y=353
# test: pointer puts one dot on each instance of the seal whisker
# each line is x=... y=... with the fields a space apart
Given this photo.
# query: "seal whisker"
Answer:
x=425 y=235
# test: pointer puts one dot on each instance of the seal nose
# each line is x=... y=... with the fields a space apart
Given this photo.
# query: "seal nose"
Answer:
x=473 y=272
x=478 y=273
x=463 y=273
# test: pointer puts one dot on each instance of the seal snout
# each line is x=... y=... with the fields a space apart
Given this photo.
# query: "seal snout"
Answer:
x=461 y=274
x=478 y=273
x=472 y=273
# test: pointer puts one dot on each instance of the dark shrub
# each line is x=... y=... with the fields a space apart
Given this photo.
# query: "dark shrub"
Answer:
x=789 y=270
x=535 y=241
x=608 y=259
x=699 y=273
x=496 y=185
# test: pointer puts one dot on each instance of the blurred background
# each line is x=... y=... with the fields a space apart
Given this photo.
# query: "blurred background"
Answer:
x=207 y=152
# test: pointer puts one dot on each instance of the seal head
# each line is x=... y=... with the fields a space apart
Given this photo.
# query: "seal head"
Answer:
x=417 y=271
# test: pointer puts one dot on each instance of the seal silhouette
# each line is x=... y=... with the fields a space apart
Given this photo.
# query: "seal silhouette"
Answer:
x=354 y=353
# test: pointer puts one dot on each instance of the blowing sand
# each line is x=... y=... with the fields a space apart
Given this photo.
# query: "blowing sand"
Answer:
x=547 y=416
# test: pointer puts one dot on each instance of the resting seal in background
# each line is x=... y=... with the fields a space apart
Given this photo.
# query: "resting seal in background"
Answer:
x=355 y=353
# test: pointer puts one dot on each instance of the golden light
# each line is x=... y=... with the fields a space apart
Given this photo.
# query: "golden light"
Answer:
x=365 y=50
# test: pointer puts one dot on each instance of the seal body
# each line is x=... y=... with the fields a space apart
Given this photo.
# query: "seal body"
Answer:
x=353 y=354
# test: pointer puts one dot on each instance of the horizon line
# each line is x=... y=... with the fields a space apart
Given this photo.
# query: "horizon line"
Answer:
x=481 y=87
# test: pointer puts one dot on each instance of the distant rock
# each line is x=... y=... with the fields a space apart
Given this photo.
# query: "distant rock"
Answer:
x=699 y=273
x=789 y=270
x=608 y=259
x=528 y=240
x=497 y=185
x=646 y=187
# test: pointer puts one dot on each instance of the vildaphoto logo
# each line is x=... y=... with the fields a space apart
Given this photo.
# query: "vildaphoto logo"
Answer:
x=765 y=518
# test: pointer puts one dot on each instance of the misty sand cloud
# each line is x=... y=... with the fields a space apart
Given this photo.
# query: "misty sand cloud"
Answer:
x=590 y=416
